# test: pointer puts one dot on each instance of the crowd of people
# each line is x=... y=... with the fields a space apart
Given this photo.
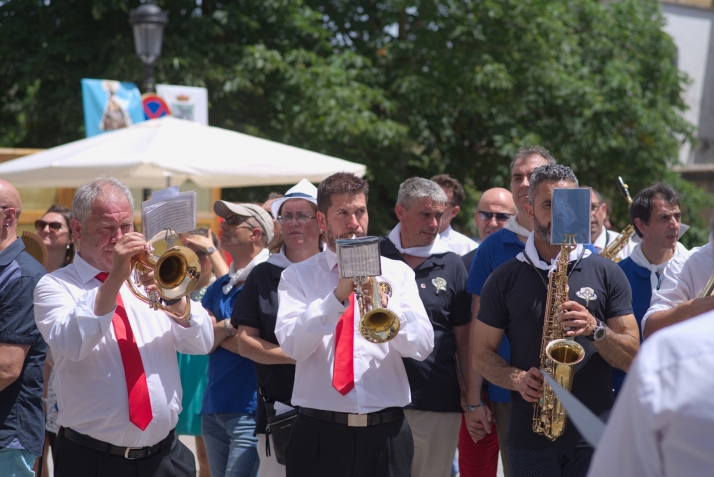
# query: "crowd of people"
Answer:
x=268 y=367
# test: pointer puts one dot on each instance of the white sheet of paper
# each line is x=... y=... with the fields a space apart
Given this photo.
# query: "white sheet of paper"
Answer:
x=177 y=213
x=281 y=408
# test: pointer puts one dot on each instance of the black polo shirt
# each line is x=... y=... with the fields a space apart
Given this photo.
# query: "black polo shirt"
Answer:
x=514 y=299
x=433 y=382
x=21 y=416
x=257 y=307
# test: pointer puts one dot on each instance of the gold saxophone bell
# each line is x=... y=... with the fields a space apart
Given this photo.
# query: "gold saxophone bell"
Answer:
x=377 y=324
x=176 y=274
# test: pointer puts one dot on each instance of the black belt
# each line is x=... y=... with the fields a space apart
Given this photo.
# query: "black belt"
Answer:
x=390 y=414
x=126 y=452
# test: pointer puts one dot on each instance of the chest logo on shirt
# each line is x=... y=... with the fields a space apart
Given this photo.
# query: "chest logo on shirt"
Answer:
x=439 y=283
x=587 y=294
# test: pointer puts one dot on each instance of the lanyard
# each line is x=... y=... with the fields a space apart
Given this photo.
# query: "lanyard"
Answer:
x=530 y=262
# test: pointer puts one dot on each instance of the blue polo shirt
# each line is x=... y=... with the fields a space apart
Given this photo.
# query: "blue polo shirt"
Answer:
x=232 y=383
x=22 y=423
x=498 y=248
x=639 y=278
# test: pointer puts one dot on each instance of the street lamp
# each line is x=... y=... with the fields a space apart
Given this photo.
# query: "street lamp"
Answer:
x=148 y=22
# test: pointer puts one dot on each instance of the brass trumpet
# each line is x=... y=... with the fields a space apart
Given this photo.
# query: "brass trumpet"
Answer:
x=377 y=324
x=176 y=273
x=358 y=259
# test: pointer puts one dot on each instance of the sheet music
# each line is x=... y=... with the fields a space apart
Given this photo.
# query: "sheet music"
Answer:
x=359 y=257
x=177 y=213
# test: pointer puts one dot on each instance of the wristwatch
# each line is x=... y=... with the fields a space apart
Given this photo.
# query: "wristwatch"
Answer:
x=470 y=408
x=598 y=332
x=210 y=250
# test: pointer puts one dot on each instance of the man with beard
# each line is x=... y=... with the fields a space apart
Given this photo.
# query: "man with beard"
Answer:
x=598 y=315
x=351 y=392
x=482 y=459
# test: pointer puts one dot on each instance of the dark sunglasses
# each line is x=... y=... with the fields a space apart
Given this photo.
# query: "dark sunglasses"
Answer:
x=236 y=220
x=500 y=216
x=41 y=224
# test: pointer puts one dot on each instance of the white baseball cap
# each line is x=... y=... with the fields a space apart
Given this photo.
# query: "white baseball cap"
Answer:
x=302 y=190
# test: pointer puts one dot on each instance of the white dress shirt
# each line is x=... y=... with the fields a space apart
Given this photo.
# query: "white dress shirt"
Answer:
x=662 y=424
x=684 y=279
x=458 y=243
x=307 y=317
x=89 y=375
x=606 y=238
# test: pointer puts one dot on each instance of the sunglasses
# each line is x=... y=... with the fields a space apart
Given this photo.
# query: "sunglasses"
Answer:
x=500 y=216
x=234 y=220
x=41 y=224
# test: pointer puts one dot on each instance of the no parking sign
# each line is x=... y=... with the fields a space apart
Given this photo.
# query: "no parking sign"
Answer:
x=154 y=106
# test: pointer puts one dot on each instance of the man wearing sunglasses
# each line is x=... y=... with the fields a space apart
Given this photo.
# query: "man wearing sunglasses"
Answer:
x=494 y=209
x=22 y=349
x=229 y=403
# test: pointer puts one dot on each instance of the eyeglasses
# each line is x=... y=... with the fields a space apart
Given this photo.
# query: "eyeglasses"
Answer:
x=595 y=206
x=41 y=224
x=234 y=220
x=301 y=218
x=500 y=216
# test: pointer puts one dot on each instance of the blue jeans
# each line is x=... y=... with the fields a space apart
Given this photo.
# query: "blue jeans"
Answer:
x=230 y=444
x=17 y=462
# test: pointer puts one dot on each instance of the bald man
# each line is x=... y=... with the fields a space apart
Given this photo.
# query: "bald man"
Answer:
x=494 y=209
x=22 y=349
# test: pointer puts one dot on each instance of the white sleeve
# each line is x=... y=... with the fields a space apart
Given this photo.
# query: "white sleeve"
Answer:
x=300 y=326
x=198 y=337
x=70 y=327
x=416 y=333
x=630 y=443
x=675 y=289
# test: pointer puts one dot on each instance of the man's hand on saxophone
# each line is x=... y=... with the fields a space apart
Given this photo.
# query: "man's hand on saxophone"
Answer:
x=531 y=385
x=576 y=319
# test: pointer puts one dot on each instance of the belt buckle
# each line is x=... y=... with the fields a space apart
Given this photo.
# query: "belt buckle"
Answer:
x=357 y=420
x=128 y=449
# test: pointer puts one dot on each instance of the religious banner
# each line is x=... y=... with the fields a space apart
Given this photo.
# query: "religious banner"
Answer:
x=185 y=102
x=110 y=105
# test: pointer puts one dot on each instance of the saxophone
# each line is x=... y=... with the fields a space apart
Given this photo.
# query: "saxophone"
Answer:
x=558 y=355
x=619 y=243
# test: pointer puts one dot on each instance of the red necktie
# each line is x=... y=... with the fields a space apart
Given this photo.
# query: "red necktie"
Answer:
x=139 y=403
x=343 y=375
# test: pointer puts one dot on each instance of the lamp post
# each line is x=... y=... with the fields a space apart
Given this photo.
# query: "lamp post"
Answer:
x=148 y=22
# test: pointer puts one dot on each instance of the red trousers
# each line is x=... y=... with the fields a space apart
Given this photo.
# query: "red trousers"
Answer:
x=478 y=459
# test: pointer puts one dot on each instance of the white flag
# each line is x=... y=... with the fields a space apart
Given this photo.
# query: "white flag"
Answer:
x=185 y=102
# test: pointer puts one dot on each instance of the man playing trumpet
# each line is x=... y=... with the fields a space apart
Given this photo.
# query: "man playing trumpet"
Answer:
x=117 y=381
x=350 y=391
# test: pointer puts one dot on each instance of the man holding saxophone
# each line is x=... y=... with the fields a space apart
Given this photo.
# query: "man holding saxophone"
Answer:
x=116 y=374
x=597 y=314
x=351 y=391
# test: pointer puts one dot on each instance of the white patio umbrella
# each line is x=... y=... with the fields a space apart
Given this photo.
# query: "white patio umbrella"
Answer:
x=169 y=151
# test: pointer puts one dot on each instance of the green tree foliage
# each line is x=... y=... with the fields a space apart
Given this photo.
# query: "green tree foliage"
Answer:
x=414 y=88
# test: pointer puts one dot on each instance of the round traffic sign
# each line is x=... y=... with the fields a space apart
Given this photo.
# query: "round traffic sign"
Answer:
x=154 y=106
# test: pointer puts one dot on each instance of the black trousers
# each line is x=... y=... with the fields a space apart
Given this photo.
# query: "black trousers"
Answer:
x=321 y=449
x=74 y=460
